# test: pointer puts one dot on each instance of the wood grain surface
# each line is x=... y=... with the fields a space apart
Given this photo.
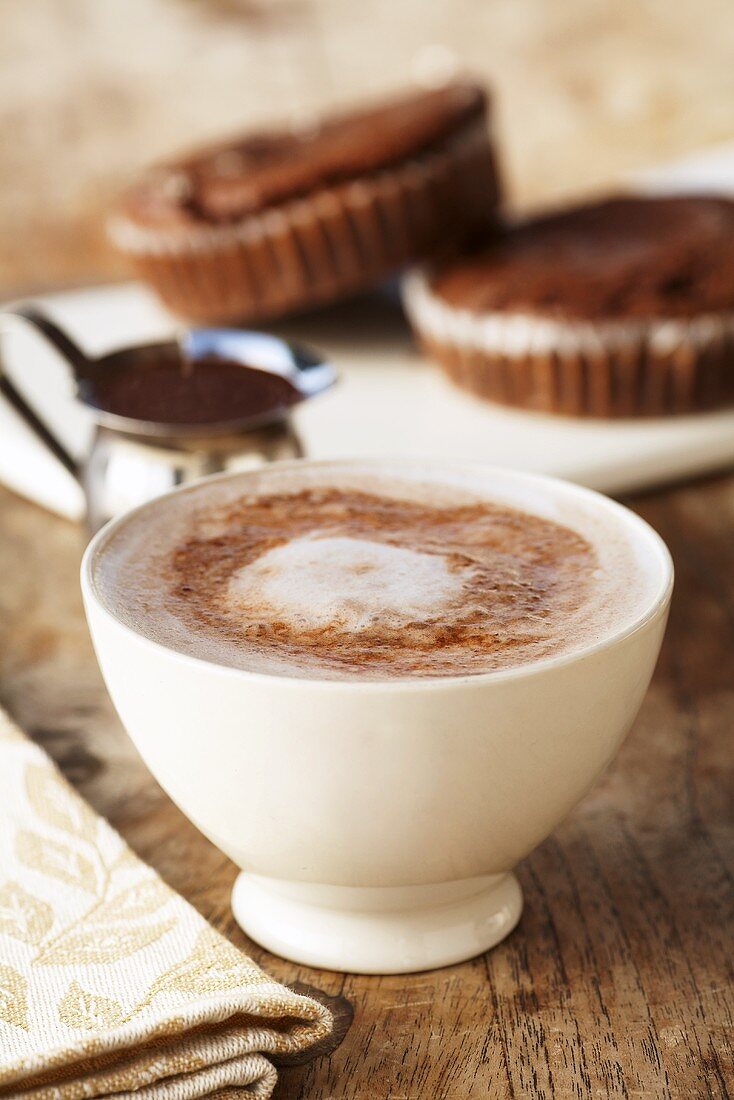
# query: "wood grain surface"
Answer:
x=618 y=980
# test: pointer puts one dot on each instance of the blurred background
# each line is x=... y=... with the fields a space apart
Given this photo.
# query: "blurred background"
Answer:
x=585 y=90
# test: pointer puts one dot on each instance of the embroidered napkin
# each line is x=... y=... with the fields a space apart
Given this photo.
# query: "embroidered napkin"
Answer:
x=110 y=983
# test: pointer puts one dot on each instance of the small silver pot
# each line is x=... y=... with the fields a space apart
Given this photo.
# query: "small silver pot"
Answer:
x=130 y=460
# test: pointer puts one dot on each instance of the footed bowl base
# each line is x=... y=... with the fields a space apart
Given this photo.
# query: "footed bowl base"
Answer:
x=377 y=930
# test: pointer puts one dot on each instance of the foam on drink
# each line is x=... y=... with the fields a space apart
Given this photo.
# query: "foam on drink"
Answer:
x=346 y=583
x=348 y=572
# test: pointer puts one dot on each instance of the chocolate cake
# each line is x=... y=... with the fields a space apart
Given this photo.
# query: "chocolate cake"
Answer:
x=276 y=222
x=617 y=308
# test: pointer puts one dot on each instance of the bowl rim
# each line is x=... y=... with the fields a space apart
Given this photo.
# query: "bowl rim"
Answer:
x=650 y=609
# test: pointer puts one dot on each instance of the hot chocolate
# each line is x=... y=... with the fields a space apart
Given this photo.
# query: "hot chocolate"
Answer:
x=347 y=572
x=163 y=387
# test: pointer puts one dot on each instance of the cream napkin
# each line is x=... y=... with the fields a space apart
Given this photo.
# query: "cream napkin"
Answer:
x=110 y=983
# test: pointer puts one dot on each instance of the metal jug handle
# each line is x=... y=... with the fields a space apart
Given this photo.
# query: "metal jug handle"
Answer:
x=29 y=317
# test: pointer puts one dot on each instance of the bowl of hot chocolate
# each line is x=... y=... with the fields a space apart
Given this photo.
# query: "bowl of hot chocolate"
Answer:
x=377 y=686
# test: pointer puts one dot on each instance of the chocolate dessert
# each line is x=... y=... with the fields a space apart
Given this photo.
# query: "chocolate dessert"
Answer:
x=618 y=308
x=280 y=221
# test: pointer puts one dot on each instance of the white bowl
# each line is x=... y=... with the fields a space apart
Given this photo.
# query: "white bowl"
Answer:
x=378 y=822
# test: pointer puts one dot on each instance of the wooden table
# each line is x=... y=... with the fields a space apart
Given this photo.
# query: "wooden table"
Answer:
x=618 y=981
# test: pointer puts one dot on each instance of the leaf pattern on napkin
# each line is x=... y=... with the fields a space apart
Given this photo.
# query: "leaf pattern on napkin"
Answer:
x=22 y=915
x=13 y=997
x=139 y=900
x=114 y=924
x=89 y=1011
x=213 y=965
x=92 y=946
x=56 y=804
x=57 y=860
